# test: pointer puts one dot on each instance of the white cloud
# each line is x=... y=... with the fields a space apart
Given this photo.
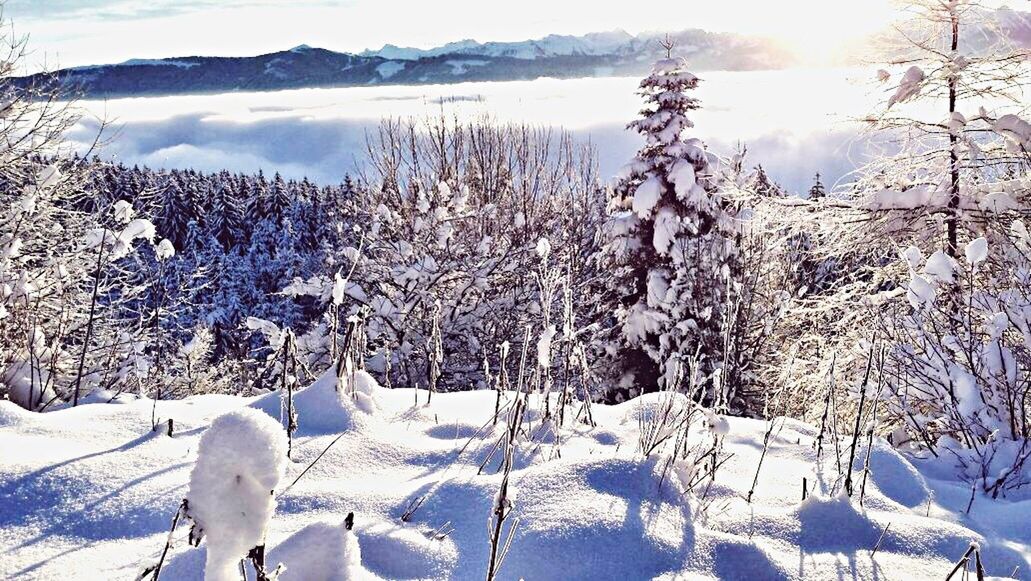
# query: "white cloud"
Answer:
x=321 y=133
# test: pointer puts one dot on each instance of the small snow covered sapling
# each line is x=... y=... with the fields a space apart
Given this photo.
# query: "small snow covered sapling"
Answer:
x=667 y=429
x=775 y=399
x=111 y=246
x=859 y=421
x=337 y=294
x=241 y=459
x=502 y=381
x=547 y=279
x=435 y=353
x=517 y=409
x=830 y=413
x=154 y=571
x=282 y=369
x=568 y=326
x=770 y=423
x=288 y=384
x=580 y=361
x=352 y=358
x=501 y=511
x=162 y=252
x=668 y=420
x=714 y=457
x=872 y=426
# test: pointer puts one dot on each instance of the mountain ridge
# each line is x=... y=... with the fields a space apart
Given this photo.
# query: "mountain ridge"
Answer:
x=593 y=43
x=559 y=56
x=596 y=54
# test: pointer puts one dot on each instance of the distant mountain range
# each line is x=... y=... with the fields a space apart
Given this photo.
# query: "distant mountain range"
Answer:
x=591 y=55
x=615 y=53
x=594 y=44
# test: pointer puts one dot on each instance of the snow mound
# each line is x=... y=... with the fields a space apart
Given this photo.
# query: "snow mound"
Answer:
x=400 y=552
x=107 y=396
x=12 y=414
x=27 y=386
x=651 y=405
x=637 y=530
x=327 y=406
x=832 y=524
x=240 y=460
x=320 y=552
x=457 y=431
x=894 y=476
x=733 y=557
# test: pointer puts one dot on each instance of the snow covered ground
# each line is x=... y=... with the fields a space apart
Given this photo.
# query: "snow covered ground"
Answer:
x=89 y=493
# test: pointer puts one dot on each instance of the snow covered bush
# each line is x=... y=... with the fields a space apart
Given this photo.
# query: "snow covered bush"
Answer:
x=449 y=216
x=670 y=245
x=241 y=459
x=951 y=192
x=957 y=373
x=66 y=259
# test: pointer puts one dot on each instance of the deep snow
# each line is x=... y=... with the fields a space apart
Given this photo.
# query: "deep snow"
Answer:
x=89 y=493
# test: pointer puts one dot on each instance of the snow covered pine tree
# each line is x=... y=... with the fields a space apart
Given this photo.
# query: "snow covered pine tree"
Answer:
x=670 y=244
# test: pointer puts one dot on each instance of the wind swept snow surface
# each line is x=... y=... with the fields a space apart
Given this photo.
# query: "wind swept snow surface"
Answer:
x=90 y=492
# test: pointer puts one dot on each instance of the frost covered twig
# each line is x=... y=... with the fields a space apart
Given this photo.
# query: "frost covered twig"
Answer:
x=964 y=562
x=154 y=571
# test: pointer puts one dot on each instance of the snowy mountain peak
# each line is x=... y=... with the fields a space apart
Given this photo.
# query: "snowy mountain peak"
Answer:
x=407 y=53
x=561 y=56
x=593 y=44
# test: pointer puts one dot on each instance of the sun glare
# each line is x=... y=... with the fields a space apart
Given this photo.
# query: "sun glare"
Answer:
x=818 y=30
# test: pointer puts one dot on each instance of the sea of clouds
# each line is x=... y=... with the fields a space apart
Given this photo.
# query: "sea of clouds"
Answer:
x=795 y=123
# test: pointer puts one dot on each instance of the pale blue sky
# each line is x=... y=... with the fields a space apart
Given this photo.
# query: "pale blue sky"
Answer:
x=78 y=32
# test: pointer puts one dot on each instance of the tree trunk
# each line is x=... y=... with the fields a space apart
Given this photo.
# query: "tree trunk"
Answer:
x=952 y=218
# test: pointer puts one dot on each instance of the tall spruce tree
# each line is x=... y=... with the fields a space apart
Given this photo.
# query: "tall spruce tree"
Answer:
x=257 y=203
x=671 y=245
x=279 y=200
x=175 y=213
x=226 y=218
